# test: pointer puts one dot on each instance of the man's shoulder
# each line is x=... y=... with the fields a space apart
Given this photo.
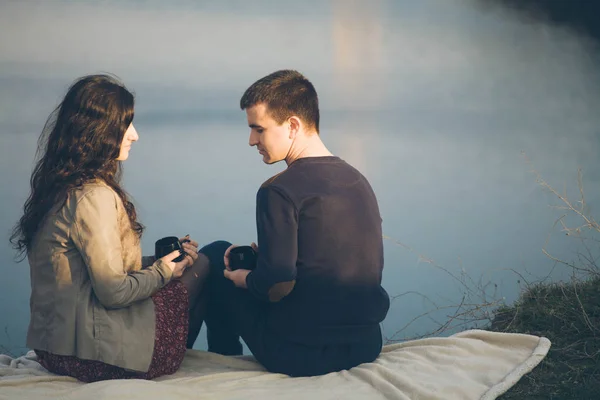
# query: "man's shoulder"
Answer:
x=272 y=180
x=314 y=174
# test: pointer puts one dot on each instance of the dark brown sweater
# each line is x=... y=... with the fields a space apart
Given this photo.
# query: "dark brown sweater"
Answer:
x=320 y=253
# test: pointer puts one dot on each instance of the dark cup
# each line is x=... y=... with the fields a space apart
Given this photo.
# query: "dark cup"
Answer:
x=242 y=257
x=167 y=245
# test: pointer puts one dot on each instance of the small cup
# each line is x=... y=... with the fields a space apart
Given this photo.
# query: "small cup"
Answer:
x=167 y=245
x=242 y=257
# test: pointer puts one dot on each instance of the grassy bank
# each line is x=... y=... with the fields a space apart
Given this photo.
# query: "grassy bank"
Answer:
x=569 y=315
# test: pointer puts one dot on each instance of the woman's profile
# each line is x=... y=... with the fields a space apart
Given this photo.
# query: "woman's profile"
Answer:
x=99 y=310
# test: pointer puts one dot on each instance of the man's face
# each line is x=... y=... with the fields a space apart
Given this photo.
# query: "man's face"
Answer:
x=272 y=140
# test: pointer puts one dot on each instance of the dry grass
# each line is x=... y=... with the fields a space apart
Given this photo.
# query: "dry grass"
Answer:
x=567 y=313
x=474 y=309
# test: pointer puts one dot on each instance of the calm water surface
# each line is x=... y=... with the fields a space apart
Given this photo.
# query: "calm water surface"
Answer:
x=434 y=101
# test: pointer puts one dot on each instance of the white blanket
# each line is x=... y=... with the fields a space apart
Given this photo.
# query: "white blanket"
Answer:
x=473 y=364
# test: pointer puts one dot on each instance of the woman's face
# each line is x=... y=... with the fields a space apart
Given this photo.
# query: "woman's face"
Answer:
x=130 y=136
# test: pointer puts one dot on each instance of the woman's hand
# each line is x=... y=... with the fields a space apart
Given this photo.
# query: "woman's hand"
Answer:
x=176 y=267
x=190 y=247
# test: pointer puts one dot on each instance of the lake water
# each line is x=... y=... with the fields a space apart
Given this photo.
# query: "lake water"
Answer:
x=439 y=103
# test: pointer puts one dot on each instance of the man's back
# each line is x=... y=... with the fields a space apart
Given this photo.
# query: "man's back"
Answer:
x=319 y=225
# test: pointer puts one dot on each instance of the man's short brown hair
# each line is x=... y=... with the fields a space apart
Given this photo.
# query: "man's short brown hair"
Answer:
x=285 y=93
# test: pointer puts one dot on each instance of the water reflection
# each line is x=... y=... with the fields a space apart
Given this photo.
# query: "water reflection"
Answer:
x=433 y=100
x=358 y=50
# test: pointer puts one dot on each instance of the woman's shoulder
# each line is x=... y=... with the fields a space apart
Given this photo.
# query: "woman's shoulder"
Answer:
x=93 y=191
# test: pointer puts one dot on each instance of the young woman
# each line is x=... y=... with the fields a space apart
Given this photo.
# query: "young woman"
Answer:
x=99 y=310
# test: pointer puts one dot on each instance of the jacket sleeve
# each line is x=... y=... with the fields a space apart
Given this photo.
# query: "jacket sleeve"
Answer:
x=277 y=227
x=97 y=236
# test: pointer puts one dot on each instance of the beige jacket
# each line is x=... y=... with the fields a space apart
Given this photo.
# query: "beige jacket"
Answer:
x=90 y=297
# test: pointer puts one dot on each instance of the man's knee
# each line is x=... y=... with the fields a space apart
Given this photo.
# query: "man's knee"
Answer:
x=215 y=252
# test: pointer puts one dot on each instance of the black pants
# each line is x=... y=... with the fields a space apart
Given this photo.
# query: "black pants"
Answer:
x=233 y=313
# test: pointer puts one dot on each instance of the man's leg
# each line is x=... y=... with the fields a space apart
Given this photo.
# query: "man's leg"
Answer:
x=231 y=312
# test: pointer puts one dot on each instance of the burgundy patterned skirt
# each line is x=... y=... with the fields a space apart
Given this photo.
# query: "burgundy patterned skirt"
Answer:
x=171 y=307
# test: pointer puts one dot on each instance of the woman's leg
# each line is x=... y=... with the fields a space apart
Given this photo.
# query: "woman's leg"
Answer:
x=171 y=306
x=194 y=279
x=83 y=370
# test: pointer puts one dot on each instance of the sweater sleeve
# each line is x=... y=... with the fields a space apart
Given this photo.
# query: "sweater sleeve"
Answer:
x=97 y=237
x=277 y=229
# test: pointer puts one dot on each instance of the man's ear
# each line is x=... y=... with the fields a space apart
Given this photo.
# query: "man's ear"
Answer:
x=294 y=127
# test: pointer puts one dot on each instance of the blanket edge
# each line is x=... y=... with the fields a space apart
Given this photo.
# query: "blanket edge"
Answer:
x=536 y=356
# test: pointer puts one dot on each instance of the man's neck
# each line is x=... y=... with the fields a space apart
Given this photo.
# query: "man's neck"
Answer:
x=309 y=146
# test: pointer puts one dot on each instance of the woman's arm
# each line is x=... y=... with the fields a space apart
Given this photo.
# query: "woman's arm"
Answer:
x=97 y=236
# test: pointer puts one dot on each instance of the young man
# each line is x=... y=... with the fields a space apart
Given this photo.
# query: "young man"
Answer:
x=314 y=301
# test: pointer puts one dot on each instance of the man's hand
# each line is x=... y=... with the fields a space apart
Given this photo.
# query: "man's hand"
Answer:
x=226 y=256
x=238 y=277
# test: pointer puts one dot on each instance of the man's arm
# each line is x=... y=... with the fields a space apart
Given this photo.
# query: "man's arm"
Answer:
x=277 y=227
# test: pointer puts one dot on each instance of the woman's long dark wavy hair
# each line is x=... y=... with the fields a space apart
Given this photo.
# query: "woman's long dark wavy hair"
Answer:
x=81 y=142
